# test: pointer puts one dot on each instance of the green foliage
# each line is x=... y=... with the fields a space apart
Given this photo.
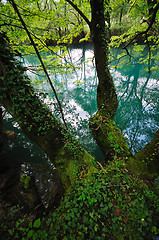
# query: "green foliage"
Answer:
x=129 y=21
x=112 y=204
x=72 y=145
x=37 y=223
x=15 y=219
x=57 y=21
x=52 y=23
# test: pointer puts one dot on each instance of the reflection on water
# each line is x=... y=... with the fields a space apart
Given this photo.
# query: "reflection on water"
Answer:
x=26 y=156
x=137 y=114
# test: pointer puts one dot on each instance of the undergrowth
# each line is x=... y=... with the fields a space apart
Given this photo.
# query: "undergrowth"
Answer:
x=112 y=204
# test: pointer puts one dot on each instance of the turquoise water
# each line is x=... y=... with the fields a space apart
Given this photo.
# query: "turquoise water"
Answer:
x=137 y=115
x=138 y=93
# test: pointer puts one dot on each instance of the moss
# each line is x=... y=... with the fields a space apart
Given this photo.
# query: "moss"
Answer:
x=90 y=163
x=109 y=137
x=70 y=167
x=87 y=158
x=25 y=181
x=146 y=161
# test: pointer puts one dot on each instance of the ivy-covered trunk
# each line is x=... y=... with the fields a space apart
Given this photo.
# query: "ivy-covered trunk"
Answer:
x=37 y=122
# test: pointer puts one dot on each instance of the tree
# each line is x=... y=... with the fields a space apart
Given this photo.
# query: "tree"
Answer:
x=102 y=124
x=19 y=98
x=140 y=27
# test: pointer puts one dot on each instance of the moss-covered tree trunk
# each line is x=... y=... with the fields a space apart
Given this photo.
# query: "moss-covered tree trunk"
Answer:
x=36 y=120
x=103 y=127
x=146 y=162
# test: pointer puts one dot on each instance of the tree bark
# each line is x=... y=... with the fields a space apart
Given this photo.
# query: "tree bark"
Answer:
x=2 y=135
x=104 y=129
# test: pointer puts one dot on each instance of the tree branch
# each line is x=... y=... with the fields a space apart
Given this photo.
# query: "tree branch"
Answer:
x=40 y=59
x=11 y=25
x=80 y=12
x=150 y=23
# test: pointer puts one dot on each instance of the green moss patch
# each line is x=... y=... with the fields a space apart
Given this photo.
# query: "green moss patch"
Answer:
x=109 y=137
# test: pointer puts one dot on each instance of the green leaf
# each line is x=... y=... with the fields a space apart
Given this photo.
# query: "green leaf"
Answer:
x=37 y=223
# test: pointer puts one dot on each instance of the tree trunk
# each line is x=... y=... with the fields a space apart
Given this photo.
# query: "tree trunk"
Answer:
x=106 y=93
x=146 y=162
x=151 y=4
x=103 y=127
x=37 y=122
x=2 y=135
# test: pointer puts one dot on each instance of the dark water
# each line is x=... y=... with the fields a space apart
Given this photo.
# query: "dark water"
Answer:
x=137 y=115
